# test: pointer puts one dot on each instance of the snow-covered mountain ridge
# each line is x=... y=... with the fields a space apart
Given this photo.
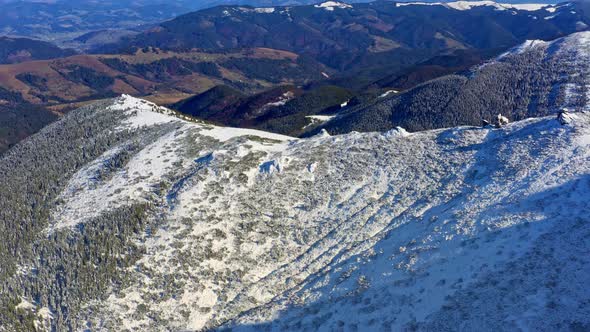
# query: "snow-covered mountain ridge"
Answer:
x=467 y=5
x=455 y=229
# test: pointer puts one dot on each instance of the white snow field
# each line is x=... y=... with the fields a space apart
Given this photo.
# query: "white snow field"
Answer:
x=473 y=229
x=467 y=5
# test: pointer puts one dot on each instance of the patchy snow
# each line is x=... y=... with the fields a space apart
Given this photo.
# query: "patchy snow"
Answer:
x=322 y=133
x=25 y=305
x=467 y=5
x=96 y=188
x=265 y=10
x=321 y=118
x=404 y=270
x=44 y=318
x=396 y=132
x=283 y=100
x=573 y=51
x=388 y=93
x=373 y=230
x=331 y=5
x=526 y=46
x=225 y=133
x=142 y=112
x=317 y=119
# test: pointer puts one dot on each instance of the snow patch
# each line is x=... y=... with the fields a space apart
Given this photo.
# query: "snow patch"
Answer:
x=283 y=99
x=396 y=132
x=467 y=5
x=317 y=119
x=142 y=113
x=331 y=5
x=388 y=93
x=224 y=134
x=321 y=118
x=550 y=17
x=265 y=10
x=524 y=47
x=25 y=305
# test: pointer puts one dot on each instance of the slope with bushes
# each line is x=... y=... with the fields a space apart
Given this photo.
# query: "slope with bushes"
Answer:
x=127 y=216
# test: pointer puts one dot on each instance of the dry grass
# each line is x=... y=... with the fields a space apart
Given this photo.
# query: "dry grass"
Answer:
x=59 y=89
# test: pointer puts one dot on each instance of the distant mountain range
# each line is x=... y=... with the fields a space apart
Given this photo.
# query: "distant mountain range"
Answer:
x=63 y=20
x=377 y=34
x=536 y=78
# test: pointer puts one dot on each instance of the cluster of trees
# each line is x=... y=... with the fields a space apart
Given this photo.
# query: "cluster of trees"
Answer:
x=69 y=266
x=18 y=118
x=88 y=77
x=32 y=80
x=275 y=70
x=14 y=50
x=290 y=119
x=519 y=86
x=10 y=97
x=164 y=69
x=226 y=106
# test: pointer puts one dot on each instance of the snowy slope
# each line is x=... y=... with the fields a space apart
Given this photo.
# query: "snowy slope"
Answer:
x=572 y=53
x=454 y=229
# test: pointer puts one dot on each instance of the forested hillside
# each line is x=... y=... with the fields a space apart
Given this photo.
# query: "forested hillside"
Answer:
x=535 y=79
x=286 y=110
x=126 y=216
x=14 y=50
x=376 y=34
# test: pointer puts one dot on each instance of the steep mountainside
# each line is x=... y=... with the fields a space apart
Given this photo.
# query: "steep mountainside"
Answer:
x=19 y=120
x=13 y=50
x=125 y=216
x=378 y=34
x=534 y=79
x=209 y=103
x=287 y=110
